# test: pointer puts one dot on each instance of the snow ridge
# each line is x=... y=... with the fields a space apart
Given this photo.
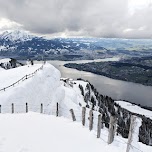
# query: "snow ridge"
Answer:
x=22 y=79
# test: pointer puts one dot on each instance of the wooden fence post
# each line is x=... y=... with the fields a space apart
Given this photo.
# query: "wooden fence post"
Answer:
x=83 y=115
x=0 y=109
x=99 y=126
x=73 y=116
x=90 y=120
x=26 y=107
x=41 y=108
x=131 y=130
x=112 y=126
x=12 y=108
x=57 y=109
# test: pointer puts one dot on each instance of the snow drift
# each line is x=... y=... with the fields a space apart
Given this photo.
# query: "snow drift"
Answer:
x=45 y=87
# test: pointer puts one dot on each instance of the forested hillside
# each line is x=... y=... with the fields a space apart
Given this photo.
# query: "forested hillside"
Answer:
x=107 y=106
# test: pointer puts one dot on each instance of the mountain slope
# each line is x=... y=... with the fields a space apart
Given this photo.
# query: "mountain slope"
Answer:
x=135 y=109
x=45 y=87
x=16 y=35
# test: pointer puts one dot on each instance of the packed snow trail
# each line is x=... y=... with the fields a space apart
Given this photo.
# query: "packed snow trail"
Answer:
x=36 y=133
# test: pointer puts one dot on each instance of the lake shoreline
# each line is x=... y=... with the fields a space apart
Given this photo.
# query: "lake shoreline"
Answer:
x=105 y=75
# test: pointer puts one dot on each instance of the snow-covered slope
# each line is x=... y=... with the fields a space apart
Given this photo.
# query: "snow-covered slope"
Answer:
x=34 y=132
x=8 y=77
x=16 y=35
x=45 y=87
x=41 y=133
x=5 y=60
x=135 y=109
x=1 y=69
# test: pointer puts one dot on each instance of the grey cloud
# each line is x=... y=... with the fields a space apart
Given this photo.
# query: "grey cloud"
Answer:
x=97 y=18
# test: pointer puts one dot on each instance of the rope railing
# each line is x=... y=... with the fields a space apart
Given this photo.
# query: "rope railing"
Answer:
x=22 y=79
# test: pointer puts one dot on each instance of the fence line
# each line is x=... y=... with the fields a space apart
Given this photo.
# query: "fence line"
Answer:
x=74 y=114
x=22 y=79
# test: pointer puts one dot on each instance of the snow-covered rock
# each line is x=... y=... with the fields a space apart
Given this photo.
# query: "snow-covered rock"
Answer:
x=9 y=63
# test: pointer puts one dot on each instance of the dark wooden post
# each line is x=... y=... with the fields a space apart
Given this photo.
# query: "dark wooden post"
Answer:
x=57 y=109
x=131 y=130
x=83 y=115
x=99 y=126
x=112 y=129
x=90 y=120
x=41 y=108
x=0 y=109
x=72 y=114
x=12 y=108
x=26 y=107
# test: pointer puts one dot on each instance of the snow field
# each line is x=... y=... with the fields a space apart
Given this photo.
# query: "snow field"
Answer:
x=36 y=133
x=33 y=132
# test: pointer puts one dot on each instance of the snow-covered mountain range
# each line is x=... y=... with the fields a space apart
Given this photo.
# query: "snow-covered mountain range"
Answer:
x=24 y=45
x=16 y=35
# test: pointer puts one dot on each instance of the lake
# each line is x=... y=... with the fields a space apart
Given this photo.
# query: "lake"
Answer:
x=116 y=89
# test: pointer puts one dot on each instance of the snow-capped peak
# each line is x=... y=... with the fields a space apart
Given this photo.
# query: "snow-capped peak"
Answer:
x=16 y=35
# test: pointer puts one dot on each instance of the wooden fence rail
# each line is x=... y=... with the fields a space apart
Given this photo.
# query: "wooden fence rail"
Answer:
x=91 y=119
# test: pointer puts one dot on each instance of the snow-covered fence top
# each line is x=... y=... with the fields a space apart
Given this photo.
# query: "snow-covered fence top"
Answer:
x=22 y=79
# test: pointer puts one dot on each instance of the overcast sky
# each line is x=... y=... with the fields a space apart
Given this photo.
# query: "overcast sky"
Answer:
x=88 y=18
